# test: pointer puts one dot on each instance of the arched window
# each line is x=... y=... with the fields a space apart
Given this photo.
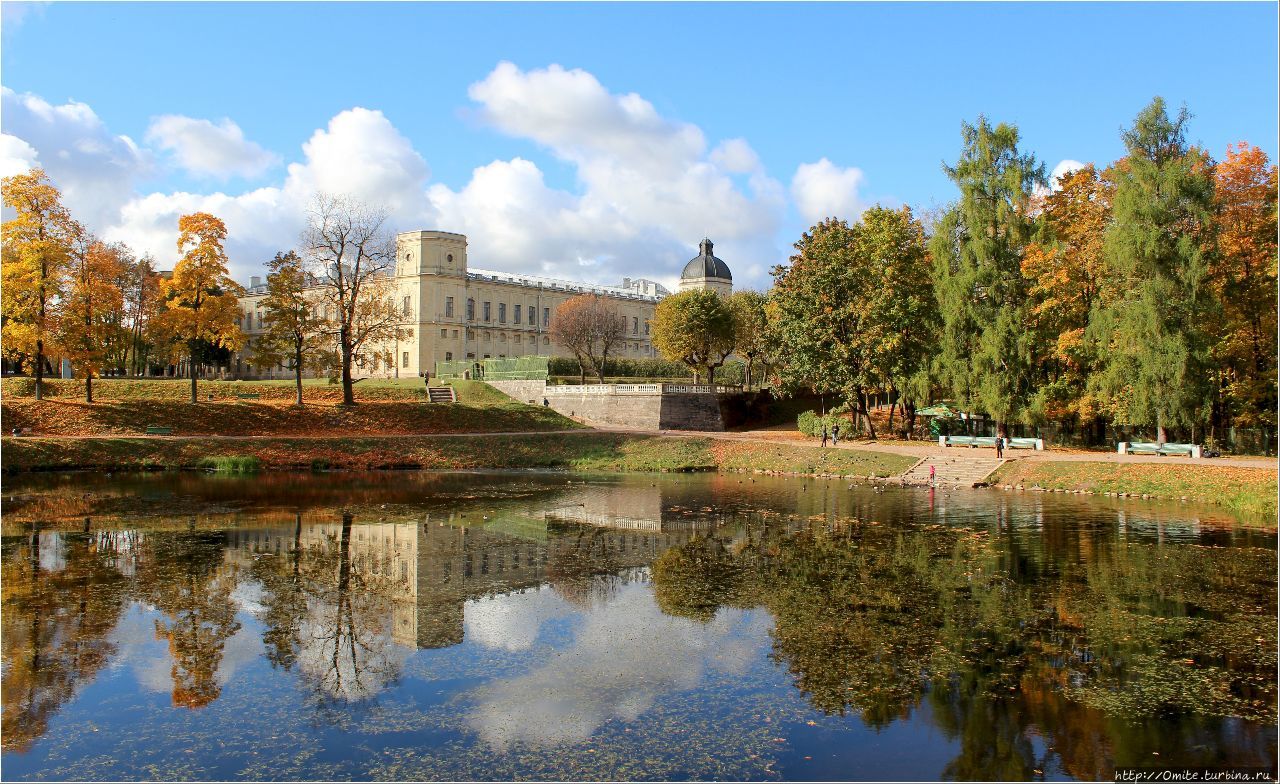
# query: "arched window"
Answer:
x=471 y=309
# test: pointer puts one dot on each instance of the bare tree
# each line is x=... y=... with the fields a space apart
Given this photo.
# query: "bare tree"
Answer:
x=350 y=252
x=590 y=327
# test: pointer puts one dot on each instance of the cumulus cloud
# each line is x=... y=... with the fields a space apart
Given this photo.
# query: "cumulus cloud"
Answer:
x=1064 y=167
x=823 y=190
x=204 y=148
x=16 y=156
x=95 y=169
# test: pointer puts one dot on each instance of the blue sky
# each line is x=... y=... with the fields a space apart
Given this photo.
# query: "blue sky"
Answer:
x=826 y=108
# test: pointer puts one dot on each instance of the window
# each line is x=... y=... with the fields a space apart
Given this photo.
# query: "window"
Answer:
x=471 y=310
x=448 y=307
x=455 y=333
x=406 y=307
x=449 y=258
x=502 y=313
x=488 y=336
x=488 y=312
x=444 y=333
x=260 y=319
x=533 y=314
x=646 y=327
x=405 y=361
x=517 y=318
x=448 y=356
x=546 y=316
x=518 y=338
x=635 y=326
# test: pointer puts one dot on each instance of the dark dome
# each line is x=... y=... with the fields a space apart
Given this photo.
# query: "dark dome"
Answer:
x=706 y=265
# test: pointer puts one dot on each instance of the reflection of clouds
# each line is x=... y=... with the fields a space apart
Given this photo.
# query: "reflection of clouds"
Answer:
x=511 y=622
x=626 y=655
x=248 y=596
x=151 y=662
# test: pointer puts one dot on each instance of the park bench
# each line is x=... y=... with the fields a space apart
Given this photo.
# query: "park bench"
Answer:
x=153 y=430
x=1152 y=448
x=1025 y=443
x=969 y=441
x=248 y=395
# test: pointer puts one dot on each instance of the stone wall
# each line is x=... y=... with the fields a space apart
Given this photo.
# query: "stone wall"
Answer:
x=670 y=411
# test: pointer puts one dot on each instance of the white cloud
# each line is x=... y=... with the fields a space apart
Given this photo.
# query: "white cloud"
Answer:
x=14 y=12
x=16 y=156
x=735 y=155
x=203 y=148
x=1064 y=167
x=823 y=190
x=95 y=169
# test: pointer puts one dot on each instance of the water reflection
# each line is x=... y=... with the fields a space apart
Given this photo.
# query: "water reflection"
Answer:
x=544 y=614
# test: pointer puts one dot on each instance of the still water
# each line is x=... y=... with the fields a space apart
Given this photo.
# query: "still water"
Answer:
x=558 y=626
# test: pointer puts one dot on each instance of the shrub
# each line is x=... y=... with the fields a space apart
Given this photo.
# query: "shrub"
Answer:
x=811 y=424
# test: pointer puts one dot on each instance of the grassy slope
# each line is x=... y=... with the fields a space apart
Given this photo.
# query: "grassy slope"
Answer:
x=588 y=451
x=1248 y=491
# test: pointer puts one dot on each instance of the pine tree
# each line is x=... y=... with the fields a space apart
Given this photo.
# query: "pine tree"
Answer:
x=1151 y=323
x=986 y=352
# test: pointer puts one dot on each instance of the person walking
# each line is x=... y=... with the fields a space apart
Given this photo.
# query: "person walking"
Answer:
x=835 y=434
x=824 y=436
x=933 y=470
x=999 y=447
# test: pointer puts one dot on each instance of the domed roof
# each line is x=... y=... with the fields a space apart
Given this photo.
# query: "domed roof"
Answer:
x=706 y=265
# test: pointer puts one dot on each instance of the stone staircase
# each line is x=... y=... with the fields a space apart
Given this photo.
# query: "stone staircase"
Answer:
x=441 y=395
x=953 y=470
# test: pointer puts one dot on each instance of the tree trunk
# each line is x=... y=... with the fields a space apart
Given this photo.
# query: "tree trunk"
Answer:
x=711 y=374
x=866 y=414
x=892 y=406
x=1161 y=434
x=909 y=413
x=191 y=350
x=748 y=378
x=348 y=394
x=600 y=368
x=1001 y=428
x=697 y=375
x=582 y=372
x=297 y=369
x=88 y=387
x=39 y=369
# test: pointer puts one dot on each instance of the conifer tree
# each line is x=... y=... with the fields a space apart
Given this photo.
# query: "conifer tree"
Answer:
x=1151 y=323
x=986 y=351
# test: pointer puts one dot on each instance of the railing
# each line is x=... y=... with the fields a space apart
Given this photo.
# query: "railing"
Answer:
x=642 y=389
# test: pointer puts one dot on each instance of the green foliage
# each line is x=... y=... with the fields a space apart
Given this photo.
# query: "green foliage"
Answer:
x=623 y=368
x=1153 y=317
x=986 y=350
x=811 y=423
x=750 y=329
x=694 y=327
x=232 y=464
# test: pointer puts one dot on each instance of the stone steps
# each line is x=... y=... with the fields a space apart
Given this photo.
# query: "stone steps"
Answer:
x=441 y=395
x=952 y=470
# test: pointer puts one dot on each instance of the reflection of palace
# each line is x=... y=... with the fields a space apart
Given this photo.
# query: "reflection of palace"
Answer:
x=433 y=567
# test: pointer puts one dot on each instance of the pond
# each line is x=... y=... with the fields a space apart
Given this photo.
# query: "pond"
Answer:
x=497 y=626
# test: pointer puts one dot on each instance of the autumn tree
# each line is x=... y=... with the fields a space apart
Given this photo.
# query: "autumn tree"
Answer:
x=853 y=310
x=1065 y=275
x=750 y=327
x=295 y=330
x=1243 y=276
x=695 y=327
x=977 y=247
x=93 y=298
x=589 y=326
x=200 y=297
x=1152 y=331
x=36 y=248
x=348 y=251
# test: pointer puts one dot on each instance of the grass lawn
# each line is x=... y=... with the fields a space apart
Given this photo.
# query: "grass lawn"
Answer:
x=585 y=451
x=1250 y=492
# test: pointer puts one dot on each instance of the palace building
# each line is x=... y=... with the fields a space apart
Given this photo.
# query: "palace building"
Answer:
x=452 y=311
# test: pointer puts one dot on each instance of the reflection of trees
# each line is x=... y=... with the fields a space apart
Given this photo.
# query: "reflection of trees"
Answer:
x=1086 y=652
x=184 y=576
x=581 y=567
x=56 y=626
x=328 y=618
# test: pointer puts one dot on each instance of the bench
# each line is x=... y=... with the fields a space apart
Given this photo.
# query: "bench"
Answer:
x=152 y=430
x=248 y=395
x=969 y=441
x=1152 y=448
x=1025 y=443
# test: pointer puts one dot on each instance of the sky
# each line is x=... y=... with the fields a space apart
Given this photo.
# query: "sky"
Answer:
x=589 y=141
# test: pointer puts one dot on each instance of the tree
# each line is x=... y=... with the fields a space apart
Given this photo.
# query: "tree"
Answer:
x=142 y=302
x=854 y=309
x=977 y=252
x=1243 y=275
x=1151 y=327
x=200 y=297
x=750 y=327
x=295 y=328
x=694 y=327
x=1065 y=274
x=36 y=247
x=348 y=251
x=93 y=296
x=590 y=327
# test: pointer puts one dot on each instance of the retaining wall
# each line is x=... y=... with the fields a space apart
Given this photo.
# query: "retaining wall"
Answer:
x=654 y=411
